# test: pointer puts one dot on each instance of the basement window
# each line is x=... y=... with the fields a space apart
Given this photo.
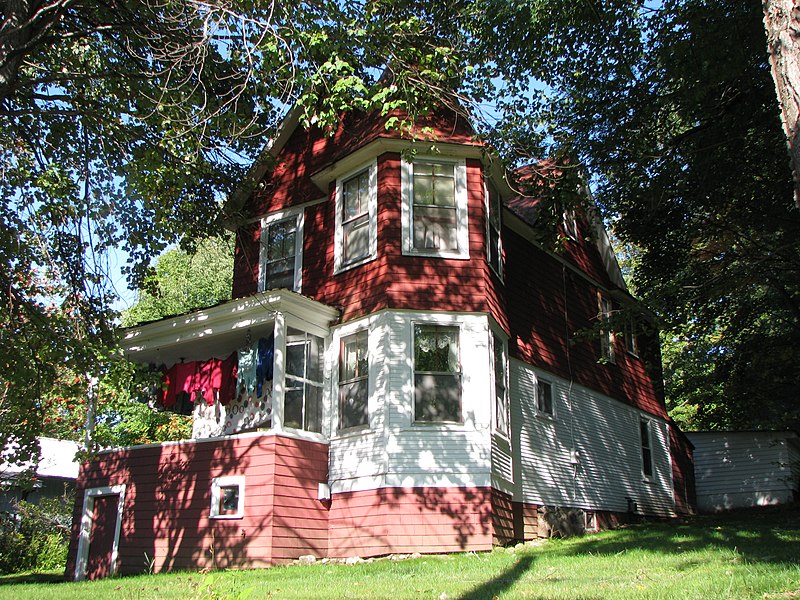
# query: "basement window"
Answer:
x=227 y=497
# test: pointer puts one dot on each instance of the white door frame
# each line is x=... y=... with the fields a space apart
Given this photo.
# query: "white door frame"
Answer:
x=87 y=519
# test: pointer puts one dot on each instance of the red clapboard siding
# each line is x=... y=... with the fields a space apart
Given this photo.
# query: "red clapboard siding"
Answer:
x=375 y=522
x=549 y=306
x=167 y=503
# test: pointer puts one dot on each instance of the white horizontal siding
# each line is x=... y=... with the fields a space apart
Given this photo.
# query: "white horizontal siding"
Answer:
x=737 y=469
x=588 y=454
x=394 y=451
x=433 y=454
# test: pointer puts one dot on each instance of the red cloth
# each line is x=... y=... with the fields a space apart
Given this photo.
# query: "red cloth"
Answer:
x=227 y=380
x=208 y=379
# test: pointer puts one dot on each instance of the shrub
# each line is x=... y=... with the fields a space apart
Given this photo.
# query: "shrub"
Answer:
x=36 y=538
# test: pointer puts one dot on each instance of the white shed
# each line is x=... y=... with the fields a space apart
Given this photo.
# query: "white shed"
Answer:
x=736 y=469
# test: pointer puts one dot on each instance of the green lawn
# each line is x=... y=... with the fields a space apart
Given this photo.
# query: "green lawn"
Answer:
x=751 y=554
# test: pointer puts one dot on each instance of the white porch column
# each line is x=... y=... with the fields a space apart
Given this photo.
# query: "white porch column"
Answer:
x=279 y=372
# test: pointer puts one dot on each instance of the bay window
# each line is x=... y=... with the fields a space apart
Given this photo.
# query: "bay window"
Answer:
x=354 y=381
x=437 y=374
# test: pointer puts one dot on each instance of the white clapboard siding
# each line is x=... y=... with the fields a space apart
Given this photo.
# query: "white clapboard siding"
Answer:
x=502 y=464
x=438 y=454
x=357 y=458
x=395 y=451
x=744 y=468
x=588 y=455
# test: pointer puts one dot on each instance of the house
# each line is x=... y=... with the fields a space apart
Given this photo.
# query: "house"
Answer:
x=740 y=469
x=53 y=476
x=401 y=370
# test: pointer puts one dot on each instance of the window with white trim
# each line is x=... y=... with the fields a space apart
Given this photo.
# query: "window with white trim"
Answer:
x=647 y=448
x=569 y=224
x=502 y=408
x=494 y=243
x=302 y=400
x=354 y=381
x=281 y=252
x=606 y=330
x=434 y=211
x=227 y=497
x=437 y=374
x=356 y=218
x=544 y=397
x=631 y=338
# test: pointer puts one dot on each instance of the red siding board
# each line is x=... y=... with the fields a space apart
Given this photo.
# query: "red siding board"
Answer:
x=167 y=501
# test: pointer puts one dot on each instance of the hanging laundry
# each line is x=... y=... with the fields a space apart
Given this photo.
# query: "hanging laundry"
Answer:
x=227 y=381
x=246 y=374
x=264 y=365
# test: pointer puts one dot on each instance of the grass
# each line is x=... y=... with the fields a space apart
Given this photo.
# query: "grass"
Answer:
x=749 y=554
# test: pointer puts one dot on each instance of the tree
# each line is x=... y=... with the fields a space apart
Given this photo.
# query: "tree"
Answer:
x=182 y=282
x=782 y=22
x=125 y=124
x=673 y=110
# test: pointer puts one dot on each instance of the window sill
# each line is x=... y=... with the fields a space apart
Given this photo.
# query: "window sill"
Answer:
x=352 y=432
x=545 y=417
x=436 y=254
x=354 y=264
x=226 y=517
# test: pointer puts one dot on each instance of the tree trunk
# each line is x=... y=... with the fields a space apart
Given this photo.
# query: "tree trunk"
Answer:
x=782 y=24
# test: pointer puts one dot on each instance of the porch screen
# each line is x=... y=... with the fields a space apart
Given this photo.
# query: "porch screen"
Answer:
x=302 y=404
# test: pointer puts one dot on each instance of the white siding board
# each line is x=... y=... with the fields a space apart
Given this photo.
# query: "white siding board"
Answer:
x=605 y=435
x=739 y=469
x=396 y=452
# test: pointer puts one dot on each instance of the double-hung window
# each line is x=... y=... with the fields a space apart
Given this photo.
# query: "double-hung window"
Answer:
x=302 y=403
x=281 y=252
x=631 y=339
x=647 y=448
x=354 y=381
x=356 y=219
x=494 y=243
x=544 y=397
x=502 y=409
x=434 y=209
x=437 y=374
x=606 y=330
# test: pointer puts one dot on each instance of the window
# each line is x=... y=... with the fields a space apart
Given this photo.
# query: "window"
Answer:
x=631 y=341
x=606 y=332
x=544 y=397
x=435 y=208
x=356 y=207
x=302 y=401
x=281 y=252
x=570 y=224
x=354 y=381
x=437 y=374
x=227 y=497
x=502 y=410
x=647 y=452
x=494 y=250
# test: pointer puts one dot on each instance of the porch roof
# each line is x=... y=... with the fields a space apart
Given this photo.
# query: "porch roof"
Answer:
x=217 y=331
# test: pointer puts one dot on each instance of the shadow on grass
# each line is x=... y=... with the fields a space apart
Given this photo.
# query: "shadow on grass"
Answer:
x=502 y=582
x=766 y=535
x=18 y=578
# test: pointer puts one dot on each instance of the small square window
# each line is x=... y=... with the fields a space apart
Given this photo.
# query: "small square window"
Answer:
x=544 y=397
x=227 y=497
